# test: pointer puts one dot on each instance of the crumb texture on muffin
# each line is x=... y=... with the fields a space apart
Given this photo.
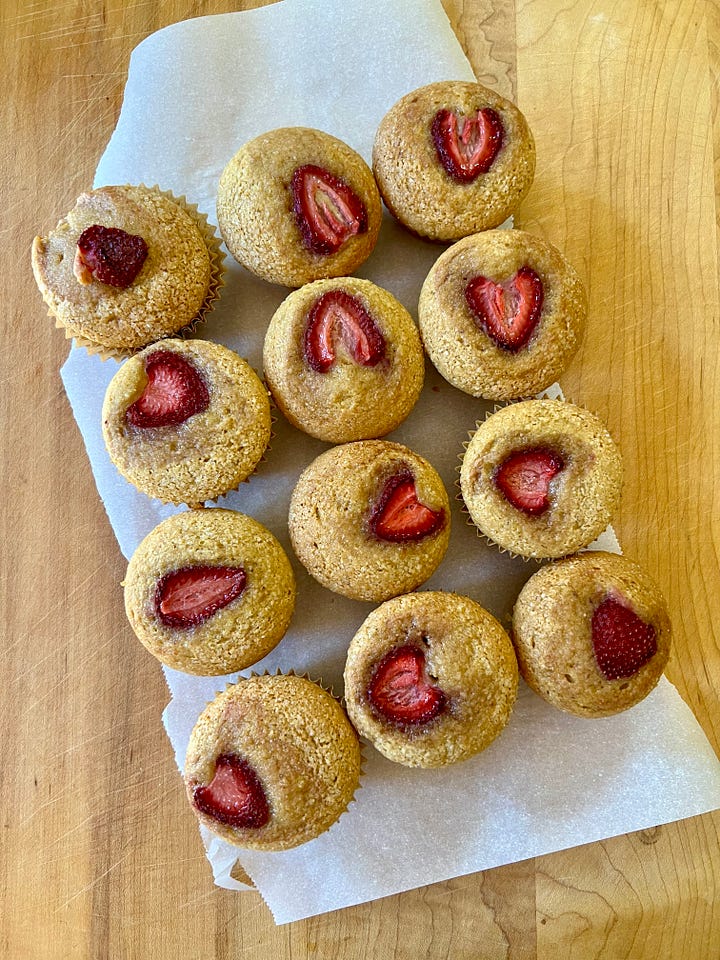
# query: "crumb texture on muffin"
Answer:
x=229 y=601
x=168 y=293
x=285 y=189
x=414 y=181
x=541 y=478
x=430 y=679
x=592 y=633
x=186 y=458
x=302 y=754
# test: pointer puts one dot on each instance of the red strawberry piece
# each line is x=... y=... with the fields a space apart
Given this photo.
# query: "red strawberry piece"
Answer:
x=235 y=795
x=524 y=478
x=467 y=146
x=174 y=392
x=110 y=255
x=399 y=516
x=191 y=595
x=401 y=690
x=327 y=211
x=622 y=642
x=337 y=311
x=508 y=311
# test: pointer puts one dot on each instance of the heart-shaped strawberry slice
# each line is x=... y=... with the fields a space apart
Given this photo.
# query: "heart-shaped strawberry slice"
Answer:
x=191 y=595
x=622 y=641
x=327 y=210
x=398 y=514
x=524 y=478
x=235 y=795
x=400 y=689
x=467 y=146
x=508 y=311
x=174 y=392
x=109 y=255
x=339 y=312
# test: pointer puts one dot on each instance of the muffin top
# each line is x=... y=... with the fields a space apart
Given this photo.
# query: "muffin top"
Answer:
x=209 y=592
x=541 y=478
x=501 y=314
x=272 y=763
x=453 y=158
x=592 y=633
x=370 y=519
x=186 y=420
x=126 y=267
x=430 y=679
x=343 y=360
x=296 y=204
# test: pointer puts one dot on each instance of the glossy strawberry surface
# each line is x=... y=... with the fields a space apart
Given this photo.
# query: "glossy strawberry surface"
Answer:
x=401 y=690
x=399 y=516
x=235 y=795
x=524 y=478
x=467 y=145
x=338 y=314
x=111 y=255
x=191 y=595
x=174 y=392
x=508 y=311
x=327 y=210
x=622 y=641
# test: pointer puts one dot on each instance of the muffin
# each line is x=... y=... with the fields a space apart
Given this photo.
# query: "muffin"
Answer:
x=501 y=314
x=186 y=421
x=343 y=360
x=430 y=679
x=209 y=592
x=370 y=519
x=272 y=763
x=592 y=634
x=541 y=478
x=129 y=265
x=453 y=158
x=296 y=205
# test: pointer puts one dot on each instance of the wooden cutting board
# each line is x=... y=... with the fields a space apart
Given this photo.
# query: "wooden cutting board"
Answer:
x=99 y=857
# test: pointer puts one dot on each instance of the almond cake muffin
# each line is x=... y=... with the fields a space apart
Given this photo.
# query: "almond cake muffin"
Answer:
x=453 y=158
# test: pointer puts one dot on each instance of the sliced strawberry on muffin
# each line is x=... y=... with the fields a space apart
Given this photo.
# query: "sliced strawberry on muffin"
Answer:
x=592 y=633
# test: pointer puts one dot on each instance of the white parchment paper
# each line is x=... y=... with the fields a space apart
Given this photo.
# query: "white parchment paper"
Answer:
x=195 y=92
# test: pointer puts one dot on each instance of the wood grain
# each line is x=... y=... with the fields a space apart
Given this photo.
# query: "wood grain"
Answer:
x=98 y=857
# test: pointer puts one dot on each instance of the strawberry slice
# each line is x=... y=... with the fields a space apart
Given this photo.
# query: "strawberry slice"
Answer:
x=622 y=642
x=467 y=146
x=191 y=595
x=400 y=689
x=327 y=211
x=338 y=311
x=398 y=515
x=109 y=255
x=235 y=795
x=524 y=478
x=174 y=392
x=508 y=311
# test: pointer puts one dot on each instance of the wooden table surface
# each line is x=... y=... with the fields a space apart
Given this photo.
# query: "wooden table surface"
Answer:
x=99 y=856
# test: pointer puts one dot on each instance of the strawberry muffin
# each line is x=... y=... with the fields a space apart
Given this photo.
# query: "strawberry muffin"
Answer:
x=501 y=314
x=453 y=158
x=209 y=592
x=296 y=205
x=541 y=478
x=272 y=763
x=370 y=519
x=430 y=679
x=186 y=421
x=592 y=634
x=128 y=266
x=343 y=360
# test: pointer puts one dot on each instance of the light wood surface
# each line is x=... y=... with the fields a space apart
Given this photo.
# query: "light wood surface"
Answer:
x=99 y=857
